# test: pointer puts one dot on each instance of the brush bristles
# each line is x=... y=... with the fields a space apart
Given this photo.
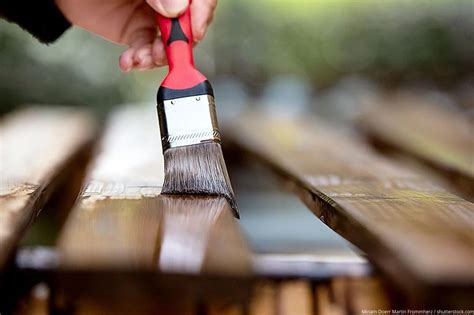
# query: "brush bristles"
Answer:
x=198 y=170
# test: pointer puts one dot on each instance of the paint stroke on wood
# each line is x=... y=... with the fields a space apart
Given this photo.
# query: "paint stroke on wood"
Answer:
x=417 y=233
x=122 y=221
x=440 y=138
x=40 y=148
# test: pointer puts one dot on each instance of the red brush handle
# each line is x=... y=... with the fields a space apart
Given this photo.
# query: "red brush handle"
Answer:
x=177 y=38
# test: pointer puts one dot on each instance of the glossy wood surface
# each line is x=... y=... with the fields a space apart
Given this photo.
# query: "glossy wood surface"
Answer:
x=122 y=221
x=126 y=245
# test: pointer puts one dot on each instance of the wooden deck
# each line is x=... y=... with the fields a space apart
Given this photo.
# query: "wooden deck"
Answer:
x=402 y=221
x=126 y=249
x=440 y=138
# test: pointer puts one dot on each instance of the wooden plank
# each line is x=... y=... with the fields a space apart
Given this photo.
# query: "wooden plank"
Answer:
x=171 y=234
x=324 y=304
x=351 y=295
x=36 y=303
x=40 y=150
x=122 y=225
x=216 y=309
x=417 y=233
x=295 y=298
x=366 y=294
x=88 y=307
x=263 y=300
x=285 y=238
x=439 y=138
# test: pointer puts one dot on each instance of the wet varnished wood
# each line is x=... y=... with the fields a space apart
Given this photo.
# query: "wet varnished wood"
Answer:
x=124 y=233
x=416 y=232
x=170 y=234
x=41 y=149
x=122 y=221
x=440 y=138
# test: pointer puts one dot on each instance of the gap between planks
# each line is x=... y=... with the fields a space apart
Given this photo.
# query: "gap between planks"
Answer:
x=417 y=233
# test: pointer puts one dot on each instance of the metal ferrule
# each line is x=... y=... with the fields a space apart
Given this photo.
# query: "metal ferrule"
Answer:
x=187 y=121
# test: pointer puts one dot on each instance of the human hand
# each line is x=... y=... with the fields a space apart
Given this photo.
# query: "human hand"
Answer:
x=133 y=23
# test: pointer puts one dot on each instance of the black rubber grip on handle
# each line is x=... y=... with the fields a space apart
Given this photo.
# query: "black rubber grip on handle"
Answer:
x=203 y=88
x=176 y=32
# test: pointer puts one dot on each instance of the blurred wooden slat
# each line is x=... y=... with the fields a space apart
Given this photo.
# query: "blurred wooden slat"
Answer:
x=36 y=303
x=417 y=233
x=351 y=296
x=323 y=303
x=439 y=138
x=264 y=299
x=40 y=149
x=366 y=294
x=86 y=307
x=216 y=309
x=122 y=223
x=295 y=298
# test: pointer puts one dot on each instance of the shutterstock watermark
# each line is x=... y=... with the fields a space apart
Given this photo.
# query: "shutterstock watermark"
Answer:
x=416 y=312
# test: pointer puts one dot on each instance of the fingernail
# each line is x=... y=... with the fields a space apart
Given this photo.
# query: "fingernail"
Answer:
x=174 y=7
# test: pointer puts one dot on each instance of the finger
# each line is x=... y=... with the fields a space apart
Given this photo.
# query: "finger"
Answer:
x=142 y=56
x=169 y=8
x=145 y=63
x=126 y=59
x=202 y=12
x=158 y=52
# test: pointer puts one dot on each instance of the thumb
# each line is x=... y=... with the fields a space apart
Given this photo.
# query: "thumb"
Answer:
x=169 y=8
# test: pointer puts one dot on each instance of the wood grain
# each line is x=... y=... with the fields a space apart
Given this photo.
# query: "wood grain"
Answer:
x=123 y=231
x=122 y=221
x=414 y=231
x=439 y=138
x=40 y=149
x=171 y=234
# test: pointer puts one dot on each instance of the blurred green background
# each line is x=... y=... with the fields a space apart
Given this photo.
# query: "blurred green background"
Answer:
x=319 y=42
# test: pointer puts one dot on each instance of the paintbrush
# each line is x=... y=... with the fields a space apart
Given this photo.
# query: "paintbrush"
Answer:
x=190 y=135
